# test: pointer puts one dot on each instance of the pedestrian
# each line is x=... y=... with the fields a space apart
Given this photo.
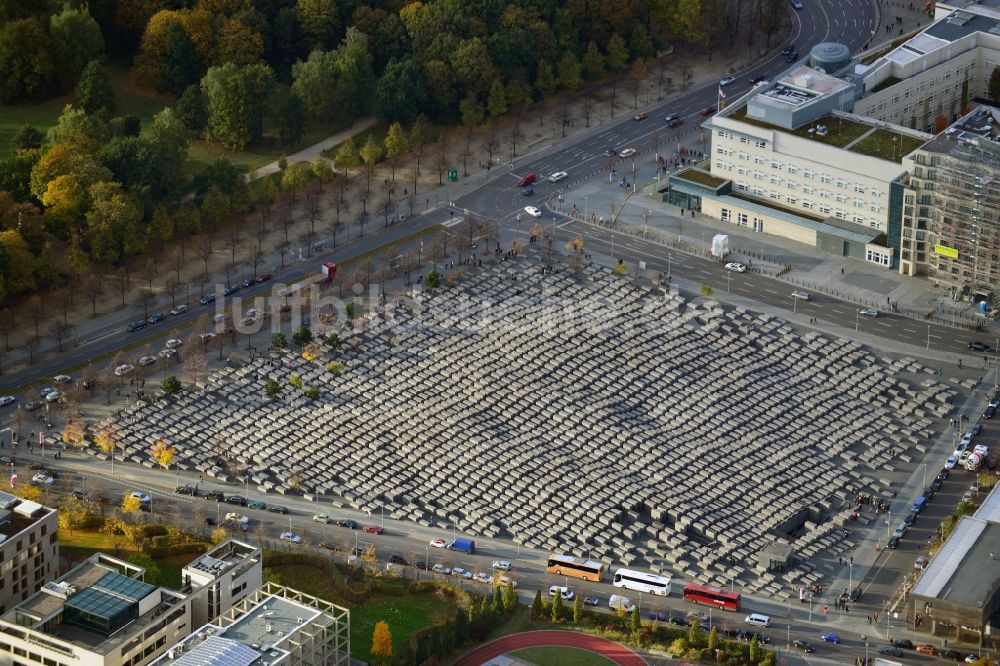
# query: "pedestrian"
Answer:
x=841 y=270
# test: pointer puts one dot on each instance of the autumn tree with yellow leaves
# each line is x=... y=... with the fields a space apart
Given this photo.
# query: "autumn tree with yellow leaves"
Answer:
x=163 y=452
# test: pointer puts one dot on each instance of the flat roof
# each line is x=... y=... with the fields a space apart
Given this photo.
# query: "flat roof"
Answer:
x=17 y=515
x=961 y=23
x=979 y=129
x=223 y=557
x=949 y=578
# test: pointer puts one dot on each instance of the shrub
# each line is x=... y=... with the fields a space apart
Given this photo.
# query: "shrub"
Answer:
x=312 y=393
x=272 y=388
x=336 y=367
x=278 y=340
x=433 y=279
x=295 y=381
x=302 y=336
x=171 y=385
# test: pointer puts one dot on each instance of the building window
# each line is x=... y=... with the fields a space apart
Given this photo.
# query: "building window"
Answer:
x=775 y=164
x=840 y=214
x=793 y=170
x=841 y=198
x=744 y=139
x=758 y=160
x=880 y=258
x=775 y=194
x=792 y=185
x=808 y=205
x=775 y=180
x=825 y=178
x=808 y=189
x=757 y=175
x=807 y=173
x=823 y=208
x=725 y=215
x=859 y=188
x=859 y=203
x=743 y=171
x=760 y=143
x=741 y=186
x=841 y=183
x=741 y=219
x=857 y=219
x=791 y=200
x=744 y=156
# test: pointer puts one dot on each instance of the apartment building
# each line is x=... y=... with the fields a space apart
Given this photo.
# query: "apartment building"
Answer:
x=103 y=612
x=29 y=552
x=274 y=626
x=951 y=212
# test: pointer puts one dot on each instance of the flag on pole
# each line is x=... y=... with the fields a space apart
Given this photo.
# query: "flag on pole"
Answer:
x=13 y=479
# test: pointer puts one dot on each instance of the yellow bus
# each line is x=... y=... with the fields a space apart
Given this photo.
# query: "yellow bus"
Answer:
x=567 y=565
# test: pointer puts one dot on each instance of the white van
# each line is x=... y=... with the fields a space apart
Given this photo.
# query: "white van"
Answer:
x=618 y=602
x=758 y=620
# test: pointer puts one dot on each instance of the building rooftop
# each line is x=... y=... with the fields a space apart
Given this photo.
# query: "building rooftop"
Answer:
x=835 y=131
x=956 y=25
x=16 y=515
x=800 y=85
x=256 y=638
x=222 y=558
x=949 y=578
x=975 y=132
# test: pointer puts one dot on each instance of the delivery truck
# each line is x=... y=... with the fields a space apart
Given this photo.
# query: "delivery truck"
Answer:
x=463 y=545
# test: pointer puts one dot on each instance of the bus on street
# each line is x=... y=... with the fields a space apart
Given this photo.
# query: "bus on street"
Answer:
x=712 y=596
x=642 y=582
x=567 y=565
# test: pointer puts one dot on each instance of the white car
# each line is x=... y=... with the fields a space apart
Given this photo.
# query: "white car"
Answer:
x=800 y=295
x=532 y=211
x=207 y=336
x=174 y=343
x=167 y=353
x=179 y=309
x=43 y=477
x=726 y=81
x=736 y=267
x=439 y=543
x=441 y=569
x=506 y=579
x=124 y=369
x=967 y=497
x=502 y=564
x=483 y=578
x=557 y=176
x=461 y=573
x=629 y=152
x=142 y=497
x=252 y=313
x=564 y=592
x=290 y=537
x=62 y=379
x=147 y=360
x=53 y=396
x=6 y=400
x=951 y=462
x=218 y=318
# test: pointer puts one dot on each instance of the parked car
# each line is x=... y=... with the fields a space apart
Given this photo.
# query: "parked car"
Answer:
x=736 y=267
x=178 y=309
x=249 y=282
x=708 y=110
x=329 y=545
x=290 y=537
x=157 y=318
x=264 y=277
x=926 y=649
x=208 y=298
x=43 y=478
x=502 y=564
x=397 y=558
x=349 y=524
x=256 y=504
x=147 y=360
x=629 y=152
x=216 y=495
x=321 y=518
x=53 y=396
x=439 y=543
x=277 y=508
x=62 y=379
x=891 y=650
x=642 y=115
x=977 y=346
x=590 y=600
x=124 y=369
x=868 y=312
x=186 y=489
x=230 y=289
x=174 y=343
x=7 y=400
x=893 y=543
x=441 y=569
x=727 y=80
x=238 y=500
x=142 y=497
x=904 y=643
x=167 y=353
x=137 y=326
x=482 y=577
x=952 y=654
x=372 y=529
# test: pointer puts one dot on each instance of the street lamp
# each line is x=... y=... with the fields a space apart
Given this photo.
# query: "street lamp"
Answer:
x=586 y=210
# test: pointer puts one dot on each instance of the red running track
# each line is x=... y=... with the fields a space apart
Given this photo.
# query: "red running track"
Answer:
x=616 y=652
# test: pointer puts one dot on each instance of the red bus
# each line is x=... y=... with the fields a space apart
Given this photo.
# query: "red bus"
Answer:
x=712 y=596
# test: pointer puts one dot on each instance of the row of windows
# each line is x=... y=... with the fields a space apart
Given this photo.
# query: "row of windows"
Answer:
x=808 y=204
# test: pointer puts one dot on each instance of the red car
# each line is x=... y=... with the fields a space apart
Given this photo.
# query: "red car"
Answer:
x=373 y=529
x=926 y=649
x=264 y=277
x=708 y=110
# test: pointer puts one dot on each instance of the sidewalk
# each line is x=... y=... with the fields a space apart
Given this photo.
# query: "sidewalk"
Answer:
x=310 y=153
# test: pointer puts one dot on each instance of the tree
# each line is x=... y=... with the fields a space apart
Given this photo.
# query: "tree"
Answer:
x=131 y=504
x=754 y=649
x=171 y=385
x=278 y=340
x=472 y=116
x=401 y=92
x=320 y=21
x=291 y=118
x=713 y=638
x=509 y=596
x=569 y=72
x=395 y=145
x=694 y=633
x=545 y=78
x=557 y=606
x=592 y=65
x=496 y=102
x=238 y=98
x=163 y=453
x=371 y=153
x=29 y=70
x=635 y=622
x=536 y=604
x=994 y=85
x=272 y=388
x=706 y=290
x=302 y=336
x=577 y=610
x=76 y=41
x=28 y=137
x=192 y=108
x=617 y=53
x=346 y=156
x=152 y=574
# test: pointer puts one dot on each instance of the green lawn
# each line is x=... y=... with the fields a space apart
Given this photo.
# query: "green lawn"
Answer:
x=403 y=614
x=556 y=656
x=42 y=116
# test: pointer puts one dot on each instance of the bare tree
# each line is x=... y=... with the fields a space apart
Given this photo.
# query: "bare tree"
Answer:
x=143 y=300
x=491 y=141
x=588 y=107
x=122 y=283
x=150 y=269
x=110 y=381
x=36 y=311
x=6 y=326
x=362 y=218
x=31 y=345
x=386 y=206
x=234 y=242
x=514 y=135
x=205 y=254
x=564 y=114
x=338 y=203
x=60 y=330
x=196 y=362
x=441 y=157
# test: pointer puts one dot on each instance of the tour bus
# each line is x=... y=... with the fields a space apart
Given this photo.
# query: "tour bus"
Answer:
x=567 y=565
x=642 y=582
x=712 y=596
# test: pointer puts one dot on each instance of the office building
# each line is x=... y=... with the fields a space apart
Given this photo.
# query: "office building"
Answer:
x=103 y=612
x=29 y=552
x=274 y=626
